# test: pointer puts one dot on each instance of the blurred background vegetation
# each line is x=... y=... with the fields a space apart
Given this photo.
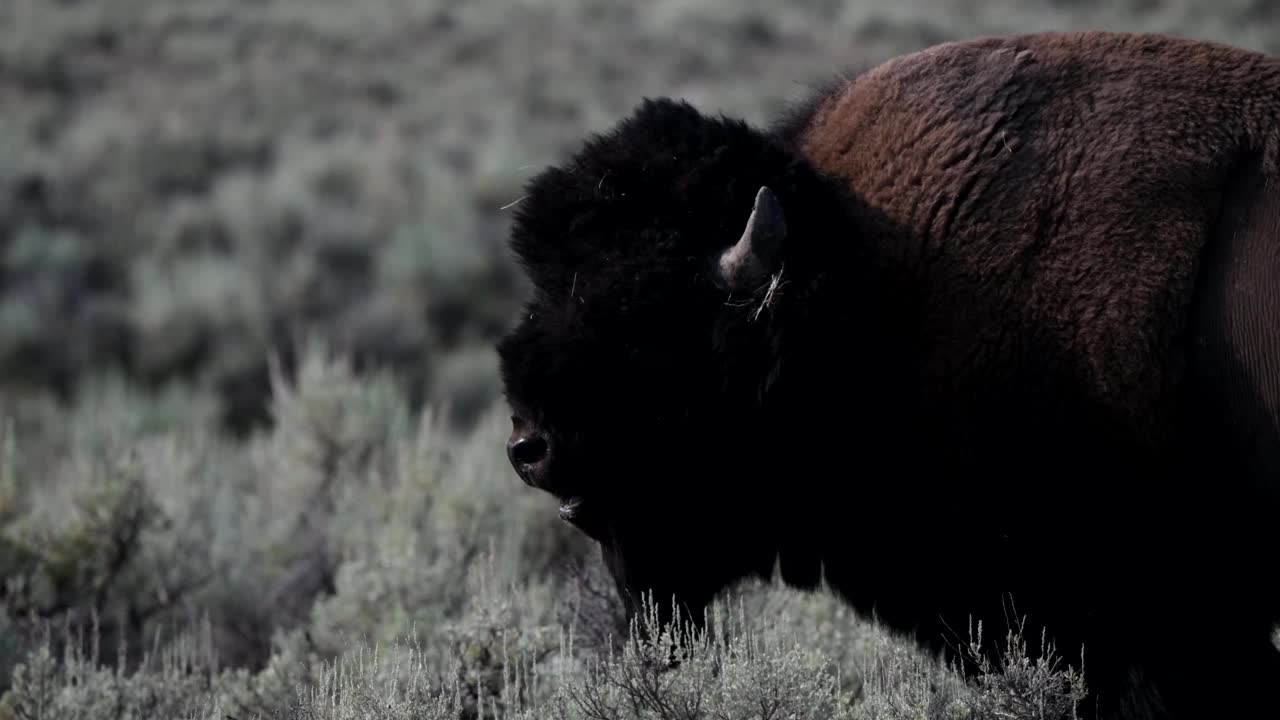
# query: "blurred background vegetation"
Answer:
x=252 y=264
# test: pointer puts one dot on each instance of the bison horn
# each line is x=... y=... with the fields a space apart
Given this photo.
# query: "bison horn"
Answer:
x=747 y=264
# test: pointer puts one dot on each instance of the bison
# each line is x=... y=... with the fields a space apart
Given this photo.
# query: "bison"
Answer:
x=995 y=320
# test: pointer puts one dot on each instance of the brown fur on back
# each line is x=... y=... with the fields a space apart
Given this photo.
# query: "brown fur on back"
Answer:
x=1079 y=181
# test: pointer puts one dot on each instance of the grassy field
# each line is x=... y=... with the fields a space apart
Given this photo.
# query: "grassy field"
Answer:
x=252 y=263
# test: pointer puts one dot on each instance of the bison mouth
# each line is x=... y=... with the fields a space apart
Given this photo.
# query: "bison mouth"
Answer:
x=584 y=516
x=571 y=508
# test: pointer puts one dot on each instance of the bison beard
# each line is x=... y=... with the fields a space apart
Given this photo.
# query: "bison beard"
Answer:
x=984 y=322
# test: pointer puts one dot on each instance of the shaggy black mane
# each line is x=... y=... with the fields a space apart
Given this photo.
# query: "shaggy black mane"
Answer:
x=667 y=186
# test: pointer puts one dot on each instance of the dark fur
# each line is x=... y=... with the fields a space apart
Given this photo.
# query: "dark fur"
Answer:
x=988 y=369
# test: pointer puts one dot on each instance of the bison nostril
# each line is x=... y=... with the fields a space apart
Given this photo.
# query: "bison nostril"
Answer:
x=529 y=450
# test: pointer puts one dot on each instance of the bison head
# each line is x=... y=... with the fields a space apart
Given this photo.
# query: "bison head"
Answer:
x=675 y=262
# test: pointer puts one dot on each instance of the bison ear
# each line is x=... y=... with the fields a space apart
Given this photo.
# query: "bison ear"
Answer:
x=749 y=263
